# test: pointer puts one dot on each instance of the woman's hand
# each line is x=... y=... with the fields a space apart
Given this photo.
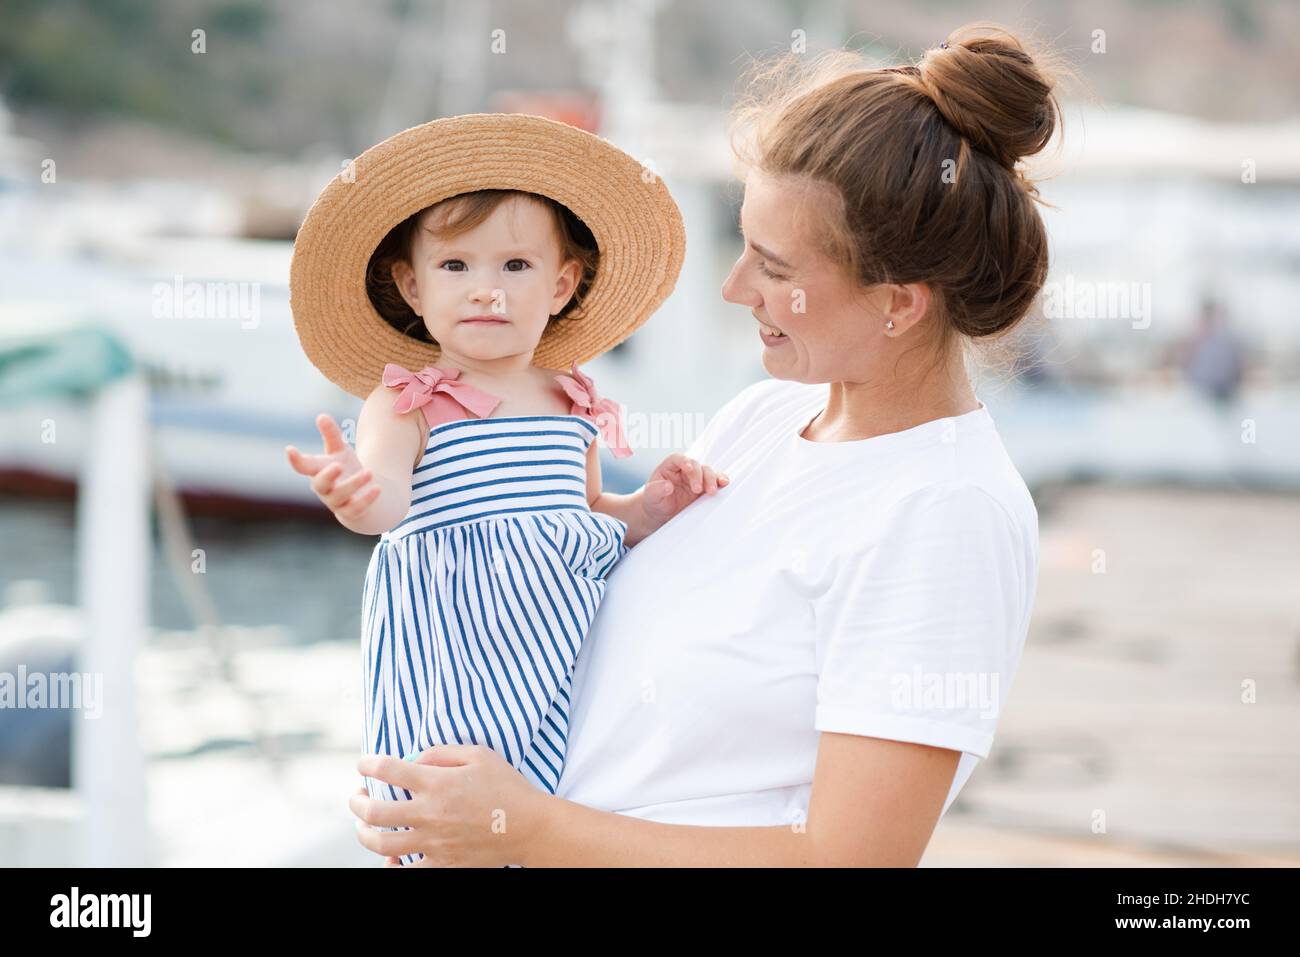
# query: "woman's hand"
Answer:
x=469 y=808
x=675 y=483
x=338 y=478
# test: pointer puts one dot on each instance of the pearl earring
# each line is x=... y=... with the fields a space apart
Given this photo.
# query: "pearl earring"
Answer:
x=890 y=324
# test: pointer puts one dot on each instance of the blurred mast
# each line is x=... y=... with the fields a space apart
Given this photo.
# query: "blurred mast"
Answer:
x=616 y=43
x=438 y=63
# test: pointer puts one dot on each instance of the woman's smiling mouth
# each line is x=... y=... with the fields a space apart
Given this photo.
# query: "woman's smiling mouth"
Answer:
x=770 y=335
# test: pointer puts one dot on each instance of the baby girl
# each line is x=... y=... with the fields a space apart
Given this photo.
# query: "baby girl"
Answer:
x=479 y=472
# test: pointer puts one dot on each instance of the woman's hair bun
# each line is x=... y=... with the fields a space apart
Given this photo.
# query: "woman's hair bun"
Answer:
x=993 y=92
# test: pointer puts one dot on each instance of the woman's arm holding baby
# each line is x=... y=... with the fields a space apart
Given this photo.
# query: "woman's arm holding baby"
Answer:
x=368 y=489
x=672 y=486
x=874 y=802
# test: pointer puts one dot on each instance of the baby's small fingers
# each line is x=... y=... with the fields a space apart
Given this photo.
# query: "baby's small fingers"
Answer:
x=302 y=464
x=691 y=469
x=710 y=481
x=345 y=489
x=324 y=480
x=358 y=503
x=331 y=433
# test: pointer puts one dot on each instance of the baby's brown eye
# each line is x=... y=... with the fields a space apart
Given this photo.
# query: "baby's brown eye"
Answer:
x=522 y=263
x=456 y=263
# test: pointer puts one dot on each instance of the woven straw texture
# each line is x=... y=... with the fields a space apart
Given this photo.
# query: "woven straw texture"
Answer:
x=631 y=214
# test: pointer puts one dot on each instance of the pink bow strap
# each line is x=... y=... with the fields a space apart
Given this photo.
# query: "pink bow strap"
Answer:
x=439 y=392
x=606 y=413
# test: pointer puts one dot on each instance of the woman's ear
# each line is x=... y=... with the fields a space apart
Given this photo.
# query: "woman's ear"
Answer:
x=905 y=305
x=566 y=283
x=404 y=280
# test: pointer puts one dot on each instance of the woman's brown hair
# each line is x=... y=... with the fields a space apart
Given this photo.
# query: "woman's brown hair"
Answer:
x=457 y=215
x=923 y=161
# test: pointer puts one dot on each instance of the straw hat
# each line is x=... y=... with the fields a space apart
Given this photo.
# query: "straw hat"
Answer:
x=629 y=211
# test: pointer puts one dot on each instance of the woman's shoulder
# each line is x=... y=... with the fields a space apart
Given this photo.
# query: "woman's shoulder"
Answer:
x=962 y=464
x=767 y=396
x=755 y=414
x=971 y=493
x=963 y=510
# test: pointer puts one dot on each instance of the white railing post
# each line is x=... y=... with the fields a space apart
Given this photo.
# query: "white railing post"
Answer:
x=108 y=769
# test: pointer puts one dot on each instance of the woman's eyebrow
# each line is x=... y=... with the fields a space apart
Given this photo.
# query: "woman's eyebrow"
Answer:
x=762 y=251
x=771 y=256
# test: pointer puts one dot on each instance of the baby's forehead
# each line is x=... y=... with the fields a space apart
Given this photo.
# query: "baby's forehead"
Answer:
x=515 y=219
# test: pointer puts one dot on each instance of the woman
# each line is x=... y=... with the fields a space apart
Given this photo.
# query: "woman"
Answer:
x=805 y=668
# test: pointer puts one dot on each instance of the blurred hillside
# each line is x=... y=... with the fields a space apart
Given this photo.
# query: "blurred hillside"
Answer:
x=283 y=77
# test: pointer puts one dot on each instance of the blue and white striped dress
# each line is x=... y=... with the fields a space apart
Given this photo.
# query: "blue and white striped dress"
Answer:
x=476 y=604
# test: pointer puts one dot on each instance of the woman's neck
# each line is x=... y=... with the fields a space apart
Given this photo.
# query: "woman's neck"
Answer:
x=863 y=410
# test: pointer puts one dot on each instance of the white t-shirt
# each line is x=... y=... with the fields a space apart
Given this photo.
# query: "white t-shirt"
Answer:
x=880 y=587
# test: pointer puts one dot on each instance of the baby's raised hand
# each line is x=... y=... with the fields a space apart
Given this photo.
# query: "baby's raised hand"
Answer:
x=337 y=476
x=675 y=483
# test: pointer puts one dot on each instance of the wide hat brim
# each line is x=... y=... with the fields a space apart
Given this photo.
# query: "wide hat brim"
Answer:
x=637 y=227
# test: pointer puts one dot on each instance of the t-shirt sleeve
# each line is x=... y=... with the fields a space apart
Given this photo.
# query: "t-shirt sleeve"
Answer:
x=920 y=634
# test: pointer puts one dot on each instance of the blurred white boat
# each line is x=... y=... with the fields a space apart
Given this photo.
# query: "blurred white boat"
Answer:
x=250 y=766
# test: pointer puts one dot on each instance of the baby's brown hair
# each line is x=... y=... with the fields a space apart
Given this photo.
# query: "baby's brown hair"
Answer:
x=459 y=214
